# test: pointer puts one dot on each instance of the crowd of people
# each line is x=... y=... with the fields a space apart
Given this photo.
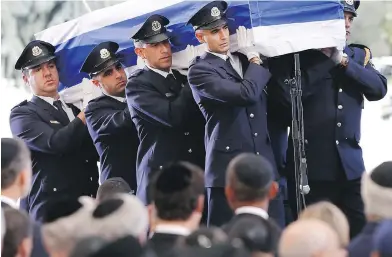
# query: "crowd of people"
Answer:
x=196 y=162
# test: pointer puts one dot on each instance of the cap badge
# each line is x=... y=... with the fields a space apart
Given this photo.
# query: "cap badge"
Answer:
x=156 y=26
x=104 y=53
x=349 y=2
x=36 y=50
x=215 y=12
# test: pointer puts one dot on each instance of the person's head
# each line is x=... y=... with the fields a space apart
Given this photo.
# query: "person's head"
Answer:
x=350 y=12
x=210 y=25
x=178 y=192
x=151 y=41
x=121 y=215
x=38 y=66
x=309 y=238
x=15 y=168
x=260 y=236
x=382 y=240
x=250 y=181
x=18 y=236
x=206 y=237
x=376 y=191
x=105 y=69
x=332 y=215
x=111 y=187
x=87 y=246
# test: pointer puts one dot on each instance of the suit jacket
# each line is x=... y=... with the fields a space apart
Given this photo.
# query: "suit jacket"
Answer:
x=235 y=111
x=63 y=157
x=333 y=98
x=169 y=124
x=115 y=138
x=163 y=244
x=361 y=245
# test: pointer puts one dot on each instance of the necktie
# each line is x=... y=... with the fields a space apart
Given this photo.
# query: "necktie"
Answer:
x=60 y=109
x=175 y=86
x=231 y=66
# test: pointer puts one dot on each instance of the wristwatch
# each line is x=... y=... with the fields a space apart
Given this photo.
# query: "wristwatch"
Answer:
x=344 y=61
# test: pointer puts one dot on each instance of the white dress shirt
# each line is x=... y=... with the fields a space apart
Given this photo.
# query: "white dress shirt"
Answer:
x=252 y=210
x=160 y=72
x=234 y=61
x=172 y=229
x=9 y=201
x=67 y=110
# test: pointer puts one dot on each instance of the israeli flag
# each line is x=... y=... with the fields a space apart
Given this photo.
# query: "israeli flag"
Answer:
x=279 y=27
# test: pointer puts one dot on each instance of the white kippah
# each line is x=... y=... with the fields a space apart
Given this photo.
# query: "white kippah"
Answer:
x=377 y=199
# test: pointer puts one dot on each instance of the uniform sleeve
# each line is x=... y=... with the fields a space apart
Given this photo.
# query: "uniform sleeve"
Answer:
x=108 y=122
x=213 y=88
x=40 y=136
x=370 y=82
x=152 y=106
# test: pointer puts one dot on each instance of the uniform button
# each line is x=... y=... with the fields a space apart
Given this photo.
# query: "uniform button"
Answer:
x=306 y=141
x=54 y=189
x=337 y=142
x=257 y=153
x=160 y=167
x=190 y=150
x=251 y=115
x=186 y=133
x=340 y=90
x=255 y=134
x=91 y=178
x=227 y=148
x=339 y=124
x=86 y=160
x=340 y=107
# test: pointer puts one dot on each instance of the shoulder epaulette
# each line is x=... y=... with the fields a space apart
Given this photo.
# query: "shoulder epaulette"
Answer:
x=368 y=53
x=20 y=104
x=136 y=73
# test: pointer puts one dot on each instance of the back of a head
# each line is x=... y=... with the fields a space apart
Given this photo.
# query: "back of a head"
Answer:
x=377 y=191
x=18 y=230
x=15 y=158
x=112 y=186
x=206 y=237
x=177 y=190
x=60 y=208
x=382 y=240
x=332 y=215
x=304 y=238
x=87 y=246
x=233 y=248
x=119 y=216
x=250 y=177
x=258 y=235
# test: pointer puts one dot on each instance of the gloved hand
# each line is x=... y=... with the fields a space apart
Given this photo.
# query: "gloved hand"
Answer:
x=246 y=43
x=140 y=62
x=191 y=53
x=333 y=53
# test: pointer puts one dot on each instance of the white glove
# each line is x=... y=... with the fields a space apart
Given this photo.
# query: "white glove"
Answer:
x=246 y=42
x=191 y=53
x=140 y=62
x=333 y=53
x=90 y=91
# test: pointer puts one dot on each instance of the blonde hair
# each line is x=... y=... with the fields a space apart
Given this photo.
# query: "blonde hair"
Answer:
x=333 y=216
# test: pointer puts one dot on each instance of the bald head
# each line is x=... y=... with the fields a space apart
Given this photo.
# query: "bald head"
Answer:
x=309 y=238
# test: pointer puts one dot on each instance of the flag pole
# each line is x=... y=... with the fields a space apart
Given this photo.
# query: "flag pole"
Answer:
x=87 y=6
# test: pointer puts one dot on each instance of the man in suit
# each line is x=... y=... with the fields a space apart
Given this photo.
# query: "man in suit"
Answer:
x=16 y=182
x=108 y=119
x=334 y=86
x=178 y=196
x=63 y=157
x=168 y=121
x=229 y=90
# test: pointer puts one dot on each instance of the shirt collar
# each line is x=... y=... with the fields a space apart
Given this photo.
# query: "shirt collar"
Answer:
x=50 y=100
x=9 y=201
x=118 y=98
x=160 y=72
x=252 y=210
x=172 y=229
x=222 y=56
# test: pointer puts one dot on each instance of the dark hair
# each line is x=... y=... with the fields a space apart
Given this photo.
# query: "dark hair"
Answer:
x=206 y=237
x=382 y=174
x=176 y=190
x=87 y=246
x=15 y=157
x=18 y=228
x=111 y=187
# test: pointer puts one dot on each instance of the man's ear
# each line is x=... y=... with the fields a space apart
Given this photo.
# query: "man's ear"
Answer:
x=25 y=77
x=95 y=82
x=140 y=52
x=200 y=36
x=274 y=190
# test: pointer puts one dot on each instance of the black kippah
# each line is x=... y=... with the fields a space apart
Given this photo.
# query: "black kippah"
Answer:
x=61 y=208
x=107 y=207
x=9 y=149
x=382 y=174
x=173 y=178
x=253 y=171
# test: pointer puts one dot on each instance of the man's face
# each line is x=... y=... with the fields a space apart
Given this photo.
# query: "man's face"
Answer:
x=113 y=80
x=157 y=55
x=348 y=18
x=217 y=39
x=43 y=79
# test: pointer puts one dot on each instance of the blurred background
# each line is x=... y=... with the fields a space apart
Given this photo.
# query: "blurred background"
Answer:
x=21 y=19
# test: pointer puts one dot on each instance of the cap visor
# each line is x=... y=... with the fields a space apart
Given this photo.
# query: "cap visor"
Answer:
x=105 y=65
x=215 y=24
x=39 y=61
x=157 y=38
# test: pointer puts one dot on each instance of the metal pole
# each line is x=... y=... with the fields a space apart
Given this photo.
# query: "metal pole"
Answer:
x=87 y=6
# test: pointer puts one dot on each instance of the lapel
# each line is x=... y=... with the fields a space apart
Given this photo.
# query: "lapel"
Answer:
x=243 y=61
x=219 y=62
x=50 y=110
x=161 y=83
